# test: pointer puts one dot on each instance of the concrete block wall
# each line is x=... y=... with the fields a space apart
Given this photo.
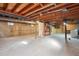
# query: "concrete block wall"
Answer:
x=4 y=29
x=18 y=29
x=62 y=28
x=23 y=29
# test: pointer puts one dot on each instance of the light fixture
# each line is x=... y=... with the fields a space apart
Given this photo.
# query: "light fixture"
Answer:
x=32 y=25
x=65 y=23
x=37 y=21
x=10 y=23
x=64 y=10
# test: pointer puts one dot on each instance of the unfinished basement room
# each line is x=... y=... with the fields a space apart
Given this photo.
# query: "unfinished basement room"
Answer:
x=39 y=29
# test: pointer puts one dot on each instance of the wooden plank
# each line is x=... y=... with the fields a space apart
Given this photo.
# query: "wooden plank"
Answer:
x=39 y=9
x=41 y=5
x=21 y=7
x=10 y=6
x=59 y=6
x=1 y=5
x=76 y=7
x=27 y=6
x=71 y=5
x=15 y=7
x=5 y=5
x=24 y=12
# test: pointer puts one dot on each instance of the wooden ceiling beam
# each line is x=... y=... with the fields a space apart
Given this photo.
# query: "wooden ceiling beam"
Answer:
x=5 y=5
x=23 y=5
x=60 y=8
x=70 y=8
x=73 y=17
x=1 y=6
x=65 y=15
x=57 y=15
x=71 y=13
x=25 y=8
x=41 y=4
x=1 y=11
x=10 y=6
x=39 y=9
x=56 y=7
x=73 y=10
x=34 y=6
x=72 y=5
x=15 y=7
x=76 y=7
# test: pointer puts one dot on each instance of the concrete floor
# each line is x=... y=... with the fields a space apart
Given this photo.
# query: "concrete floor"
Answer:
x=53 y=45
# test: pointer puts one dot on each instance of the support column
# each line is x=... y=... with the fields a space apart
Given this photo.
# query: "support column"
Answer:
x=65 y=33
x=40 y=29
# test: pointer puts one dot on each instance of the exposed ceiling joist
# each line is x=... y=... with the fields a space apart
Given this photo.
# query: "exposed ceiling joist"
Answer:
x=77 y=7
x=21 y=7
x=71 y=5
x=73 y=17
x=5 y=6
x=41 y=5
x=25 y=8
x=10 y=6
x=1 y=5
x=15 y=7
x=55 y=7
x=9 y=13
x=71 y=13
x=58 y=15
x=35 y=5
x=39 y=9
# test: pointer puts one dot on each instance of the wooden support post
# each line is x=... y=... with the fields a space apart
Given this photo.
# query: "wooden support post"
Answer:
x=65 y=33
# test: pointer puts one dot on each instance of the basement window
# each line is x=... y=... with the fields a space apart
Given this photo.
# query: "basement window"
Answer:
x=10 y=23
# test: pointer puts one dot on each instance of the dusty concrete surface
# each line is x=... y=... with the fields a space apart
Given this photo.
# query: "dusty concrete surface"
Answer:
x=53 y=45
